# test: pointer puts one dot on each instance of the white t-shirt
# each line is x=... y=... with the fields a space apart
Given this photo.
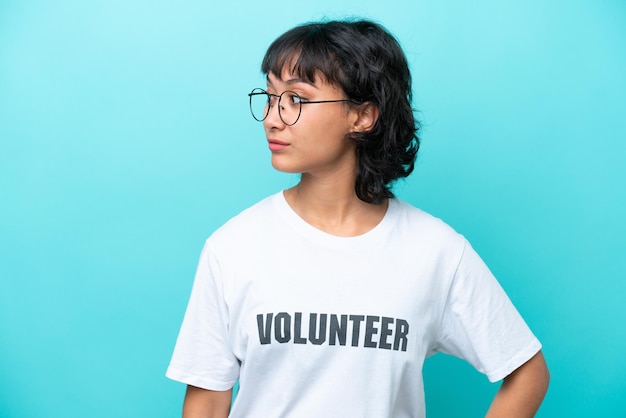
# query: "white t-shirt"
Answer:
x=315 y=325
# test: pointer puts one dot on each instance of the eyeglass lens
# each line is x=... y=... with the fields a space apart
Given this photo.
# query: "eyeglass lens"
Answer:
x=289 y=105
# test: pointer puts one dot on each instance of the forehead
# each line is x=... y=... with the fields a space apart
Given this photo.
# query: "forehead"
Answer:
x=318 y=90
x=289 y=77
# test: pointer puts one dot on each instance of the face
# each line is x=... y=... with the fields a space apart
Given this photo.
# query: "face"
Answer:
x=316 y=144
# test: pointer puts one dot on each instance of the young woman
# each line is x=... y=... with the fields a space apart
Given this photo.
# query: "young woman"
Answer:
x=324 y=300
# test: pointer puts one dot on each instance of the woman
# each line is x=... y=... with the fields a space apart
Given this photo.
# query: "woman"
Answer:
x=325 y=299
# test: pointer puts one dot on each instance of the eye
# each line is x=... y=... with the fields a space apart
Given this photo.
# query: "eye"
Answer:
x=296 y=99
x=271 y=99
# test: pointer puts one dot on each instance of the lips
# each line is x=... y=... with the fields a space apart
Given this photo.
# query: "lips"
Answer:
x=276 y=145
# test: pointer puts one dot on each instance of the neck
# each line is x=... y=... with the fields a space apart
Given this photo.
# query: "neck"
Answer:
x=332 y=205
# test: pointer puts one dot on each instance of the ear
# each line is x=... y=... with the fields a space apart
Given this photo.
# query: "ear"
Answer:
x=367 y=116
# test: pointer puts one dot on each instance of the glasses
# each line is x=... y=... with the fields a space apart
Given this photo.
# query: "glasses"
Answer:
x=289 y=105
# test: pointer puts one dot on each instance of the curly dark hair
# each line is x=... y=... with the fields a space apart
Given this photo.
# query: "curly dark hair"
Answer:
x=368 y=64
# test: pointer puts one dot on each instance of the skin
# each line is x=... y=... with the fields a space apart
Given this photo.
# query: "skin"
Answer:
x=203 y=403
x=316 y=147
x=522 y=391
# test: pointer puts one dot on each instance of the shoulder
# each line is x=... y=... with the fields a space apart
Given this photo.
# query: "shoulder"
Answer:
x=422 y=225
x=425 y=238
x=249 y=223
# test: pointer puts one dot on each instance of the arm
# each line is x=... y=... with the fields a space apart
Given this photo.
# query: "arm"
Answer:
x=203 y=403
x=522 y=391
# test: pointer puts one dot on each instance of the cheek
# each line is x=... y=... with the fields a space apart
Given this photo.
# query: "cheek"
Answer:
x=327 y=119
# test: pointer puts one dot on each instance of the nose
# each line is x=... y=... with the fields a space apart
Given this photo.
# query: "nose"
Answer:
x=273 y=119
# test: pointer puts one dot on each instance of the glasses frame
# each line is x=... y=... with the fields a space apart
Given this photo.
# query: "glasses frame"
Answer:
x=259 y=91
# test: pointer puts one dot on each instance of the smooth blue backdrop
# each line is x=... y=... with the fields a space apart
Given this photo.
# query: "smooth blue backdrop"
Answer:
x=125 y=140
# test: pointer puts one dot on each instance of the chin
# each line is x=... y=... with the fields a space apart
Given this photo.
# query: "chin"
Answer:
x=285 y=168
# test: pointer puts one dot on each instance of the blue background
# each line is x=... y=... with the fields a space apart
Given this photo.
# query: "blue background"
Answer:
x=125 y=140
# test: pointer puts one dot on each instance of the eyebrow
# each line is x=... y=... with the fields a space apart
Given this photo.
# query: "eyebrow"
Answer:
x=292 y=81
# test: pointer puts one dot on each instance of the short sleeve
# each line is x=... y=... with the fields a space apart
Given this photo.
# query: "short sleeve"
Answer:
x=480 y=323
x=203 y=356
